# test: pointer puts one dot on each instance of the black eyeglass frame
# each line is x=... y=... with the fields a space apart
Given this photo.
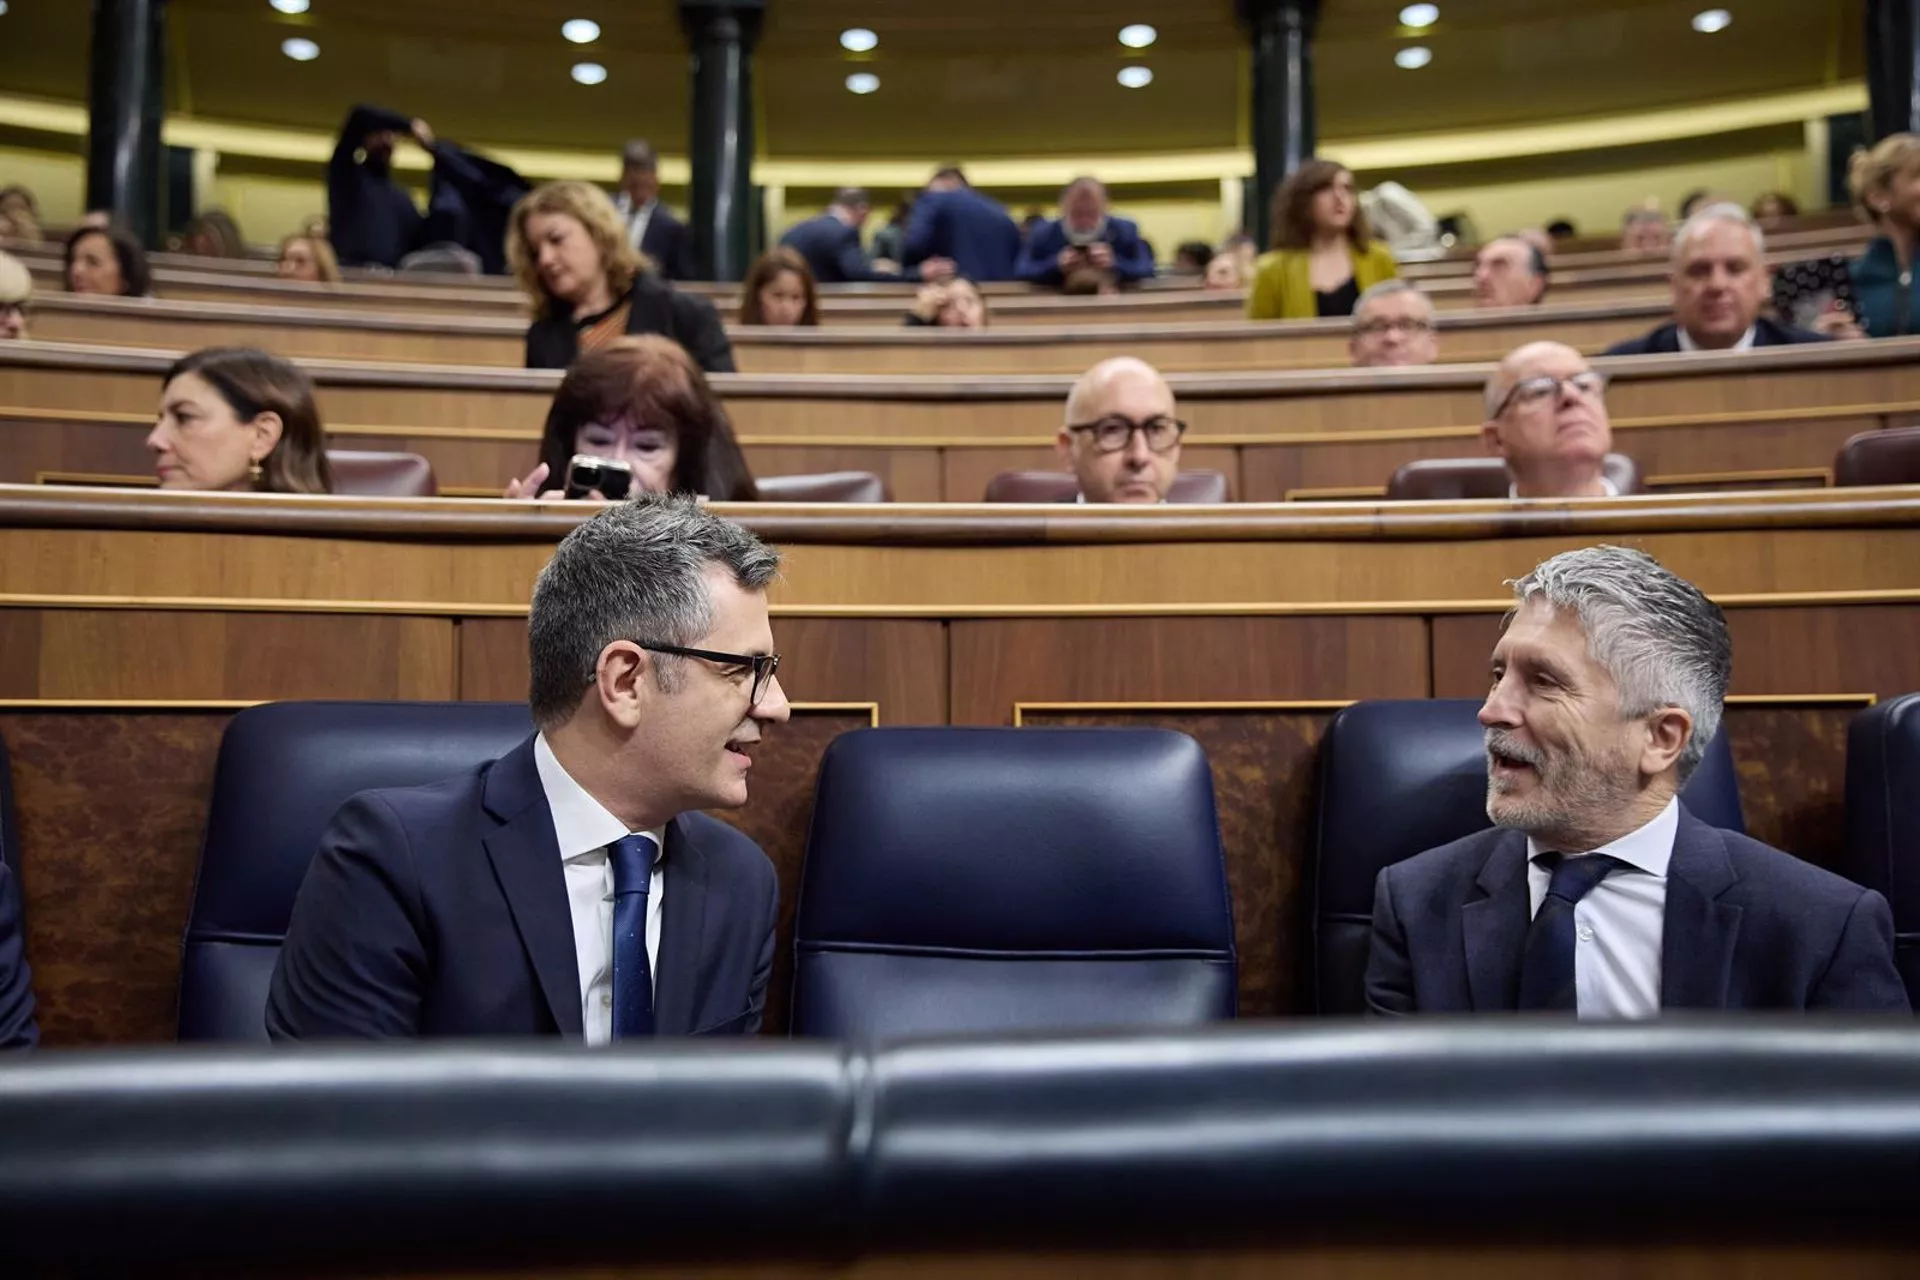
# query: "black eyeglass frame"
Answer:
x=764 y=665
x=1599 y=391
x=1092 y=429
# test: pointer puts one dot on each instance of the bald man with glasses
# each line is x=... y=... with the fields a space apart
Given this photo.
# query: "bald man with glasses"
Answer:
x=1121 y=438
x=1547 y=418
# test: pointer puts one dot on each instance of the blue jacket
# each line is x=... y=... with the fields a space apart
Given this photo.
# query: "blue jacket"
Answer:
x=1666 y=339
x=1887 y=305
x=442 y=911
x=974 y=230
x=371 y=219
x=832 y=250
x=17 y=1029
x=1132 y=259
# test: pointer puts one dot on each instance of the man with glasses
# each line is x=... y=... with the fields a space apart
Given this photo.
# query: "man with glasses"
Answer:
x=1393 y=325
x=1547 y=417
x=572 y=887
x=1121 y=438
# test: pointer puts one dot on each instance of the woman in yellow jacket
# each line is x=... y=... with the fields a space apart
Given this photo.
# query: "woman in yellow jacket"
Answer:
x=1324 y=254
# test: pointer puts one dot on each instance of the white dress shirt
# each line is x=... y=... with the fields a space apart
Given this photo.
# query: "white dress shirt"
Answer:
x=1606 y=482
x=1688 y=344
x=1619 y=924
x=636 y=220
x=584 y=829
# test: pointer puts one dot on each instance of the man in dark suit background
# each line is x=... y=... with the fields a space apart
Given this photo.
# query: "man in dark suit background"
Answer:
x=1597 y=893
x=371 y=219
x=956 y=229
x=570 y=887
x=831 y=242
x=1085 y=241
x=651 y=226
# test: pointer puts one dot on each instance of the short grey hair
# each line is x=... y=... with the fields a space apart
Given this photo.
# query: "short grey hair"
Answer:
x=635 y=571
x=1386 y=289
x=1663 y=642
x=1725 y=211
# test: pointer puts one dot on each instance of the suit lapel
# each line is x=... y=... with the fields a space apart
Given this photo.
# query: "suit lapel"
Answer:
x=526 y=861
x=683 y=925
x=1495 y=927
x=1699 y=931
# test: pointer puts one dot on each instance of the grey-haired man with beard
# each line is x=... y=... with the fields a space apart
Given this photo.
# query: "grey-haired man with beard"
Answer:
x=1597 y=894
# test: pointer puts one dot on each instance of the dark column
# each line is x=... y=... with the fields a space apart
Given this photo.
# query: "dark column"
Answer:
x=1893 y=66
x=125 y=101
x=721 y=35
x=1281 y=33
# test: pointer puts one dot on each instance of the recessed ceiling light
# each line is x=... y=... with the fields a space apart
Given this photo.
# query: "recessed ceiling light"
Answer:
x=300 y=49
x=862 y=82
x=589 y=72
x=1711 y=20
x=1138 y=36
x=291 y=6
x=859 y=40
x=580 y=30
x=1420 y=15
x=3 y=8
x=1136 y=77
x=1413 y=57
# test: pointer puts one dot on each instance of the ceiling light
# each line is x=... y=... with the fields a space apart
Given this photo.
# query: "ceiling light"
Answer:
x=862 y=82
x=3 y=8
x=859 y=40
x=1138 y=36
x=1419 y=15
x=1136 y=77
x=300 y=49
x=580 y=30
x=1711 y=20
x=291 y=6
x=589 y=72
x=1413 y=57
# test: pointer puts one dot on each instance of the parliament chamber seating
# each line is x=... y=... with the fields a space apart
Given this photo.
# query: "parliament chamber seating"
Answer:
x=830 y=486
x=1454 y=479
x=998 y=880
x=1189 y=487
x=1883 y=817
x=282 y=771
x=369 y=474
x=1398 y=778
x=1890 y=456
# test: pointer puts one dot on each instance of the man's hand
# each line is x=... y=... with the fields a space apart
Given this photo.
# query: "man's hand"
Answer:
x=937 y=270
x=1069 y=258
x=1100 y=253
x=929 y=302
x=422 y=134
x=1838 y=322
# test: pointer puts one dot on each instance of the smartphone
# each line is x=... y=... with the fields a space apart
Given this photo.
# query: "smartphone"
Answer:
x=1804 y=291
x=586 y=473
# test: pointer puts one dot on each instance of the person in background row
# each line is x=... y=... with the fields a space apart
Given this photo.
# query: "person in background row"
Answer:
x=1085 y=237
x=1224 y=271
x=16 y=288
x=1645 y=231
x=1885 y=183
x=1561 y=229
x=238 y=420
x=106 y=260
x=1774 y=207
x=641 y=401
x=1509 y=272
x=1393 y=325
x=1719 y=283
x=19 y=214
x=1324 y=254
x=1121 y=437
x=890 y=242
x=309 y=258
x=372 y=218
x=830 y=243
x=1696 y=200
x=955 y=229
x=588 y=286
x=779 y=290
x=956 y=303
x=651 y=228
x=213 y=234
x=1191 y=257
x=1547 y=418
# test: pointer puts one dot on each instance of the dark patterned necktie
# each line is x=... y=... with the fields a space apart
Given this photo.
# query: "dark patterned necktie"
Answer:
x=632 y=858
x=1546 y=968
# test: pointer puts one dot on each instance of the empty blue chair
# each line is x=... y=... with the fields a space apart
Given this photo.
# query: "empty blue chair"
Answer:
x=1399 y=778
x=972 y=880
x=283 y=769
x=1883 y=818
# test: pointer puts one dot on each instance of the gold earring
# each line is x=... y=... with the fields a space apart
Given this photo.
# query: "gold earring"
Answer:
x=256 y=473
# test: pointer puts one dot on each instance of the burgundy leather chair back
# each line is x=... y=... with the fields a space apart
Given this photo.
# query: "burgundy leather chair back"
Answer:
x=1879 y=457
x=364 y=474
x=1061 y=486
x=1453 y=479
x=825 y=486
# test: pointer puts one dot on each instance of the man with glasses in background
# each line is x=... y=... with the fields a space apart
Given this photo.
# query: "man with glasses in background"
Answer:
x=1121 y=438
x=1393 y=325
x=571 y=887
x=1547 y=417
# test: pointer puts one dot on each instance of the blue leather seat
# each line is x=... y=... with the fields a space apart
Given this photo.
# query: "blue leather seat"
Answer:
x=1883 y=818
x=972 y=880
x=1399 y=778
x=283 y=769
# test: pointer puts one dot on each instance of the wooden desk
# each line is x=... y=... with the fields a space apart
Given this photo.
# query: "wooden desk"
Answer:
x=132 y=625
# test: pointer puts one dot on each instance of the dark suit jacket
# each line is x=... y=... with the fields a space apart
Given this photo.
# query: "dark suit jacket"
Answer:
x=17 y=1029
x=669 y=244
x=442 y=911
x=1132 y=258
x=471 y=204
x=371 y=219
x=1747 y=927
x=1666 y=339
x=553 y=341
x=832 y=250
x=972 y=229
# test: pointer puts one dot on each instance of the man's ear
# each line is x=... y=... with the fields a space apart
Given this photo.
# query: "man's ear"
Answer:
x=1490 y=437
x=1063 y=445
x=623 y=679
x=1668 y=732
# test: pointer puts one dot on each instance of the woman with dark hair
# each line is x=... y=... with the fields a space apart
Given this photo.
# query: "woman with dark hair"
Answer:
x=645 y=403
x=1324 y=254
x=239 y=420
x=214 y=234
x=106 y=260
x=779 y=289
x=956 y=303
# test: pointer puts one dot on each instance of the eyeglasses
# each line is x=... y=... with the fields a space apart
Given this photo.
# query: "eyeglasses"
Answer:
x=763 y=665
x=1111 y=434
x=1409 y=327
x=1590 y=383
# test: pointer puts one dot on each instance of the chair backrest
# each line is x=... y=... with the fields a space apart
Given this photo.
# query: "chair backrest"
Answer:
x=1879 y=457
x=1883 y=818
x=368 y=474
x=1189 y=487
x=827 y=486
x=283 y=769
x=1398 y=778
x=965 y=880
x=1456 y=479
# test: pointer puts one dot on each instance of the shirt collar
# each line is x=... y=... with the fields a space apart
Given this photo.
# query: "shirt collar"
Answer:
x=1648 y=848
x=1688 y=344
x=1606 y=482
x=581 y=824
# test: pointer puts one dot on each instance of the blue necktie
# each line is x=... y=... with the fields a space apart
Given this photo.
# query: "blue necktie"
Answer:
x=1546 y=969
x=632 y=858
